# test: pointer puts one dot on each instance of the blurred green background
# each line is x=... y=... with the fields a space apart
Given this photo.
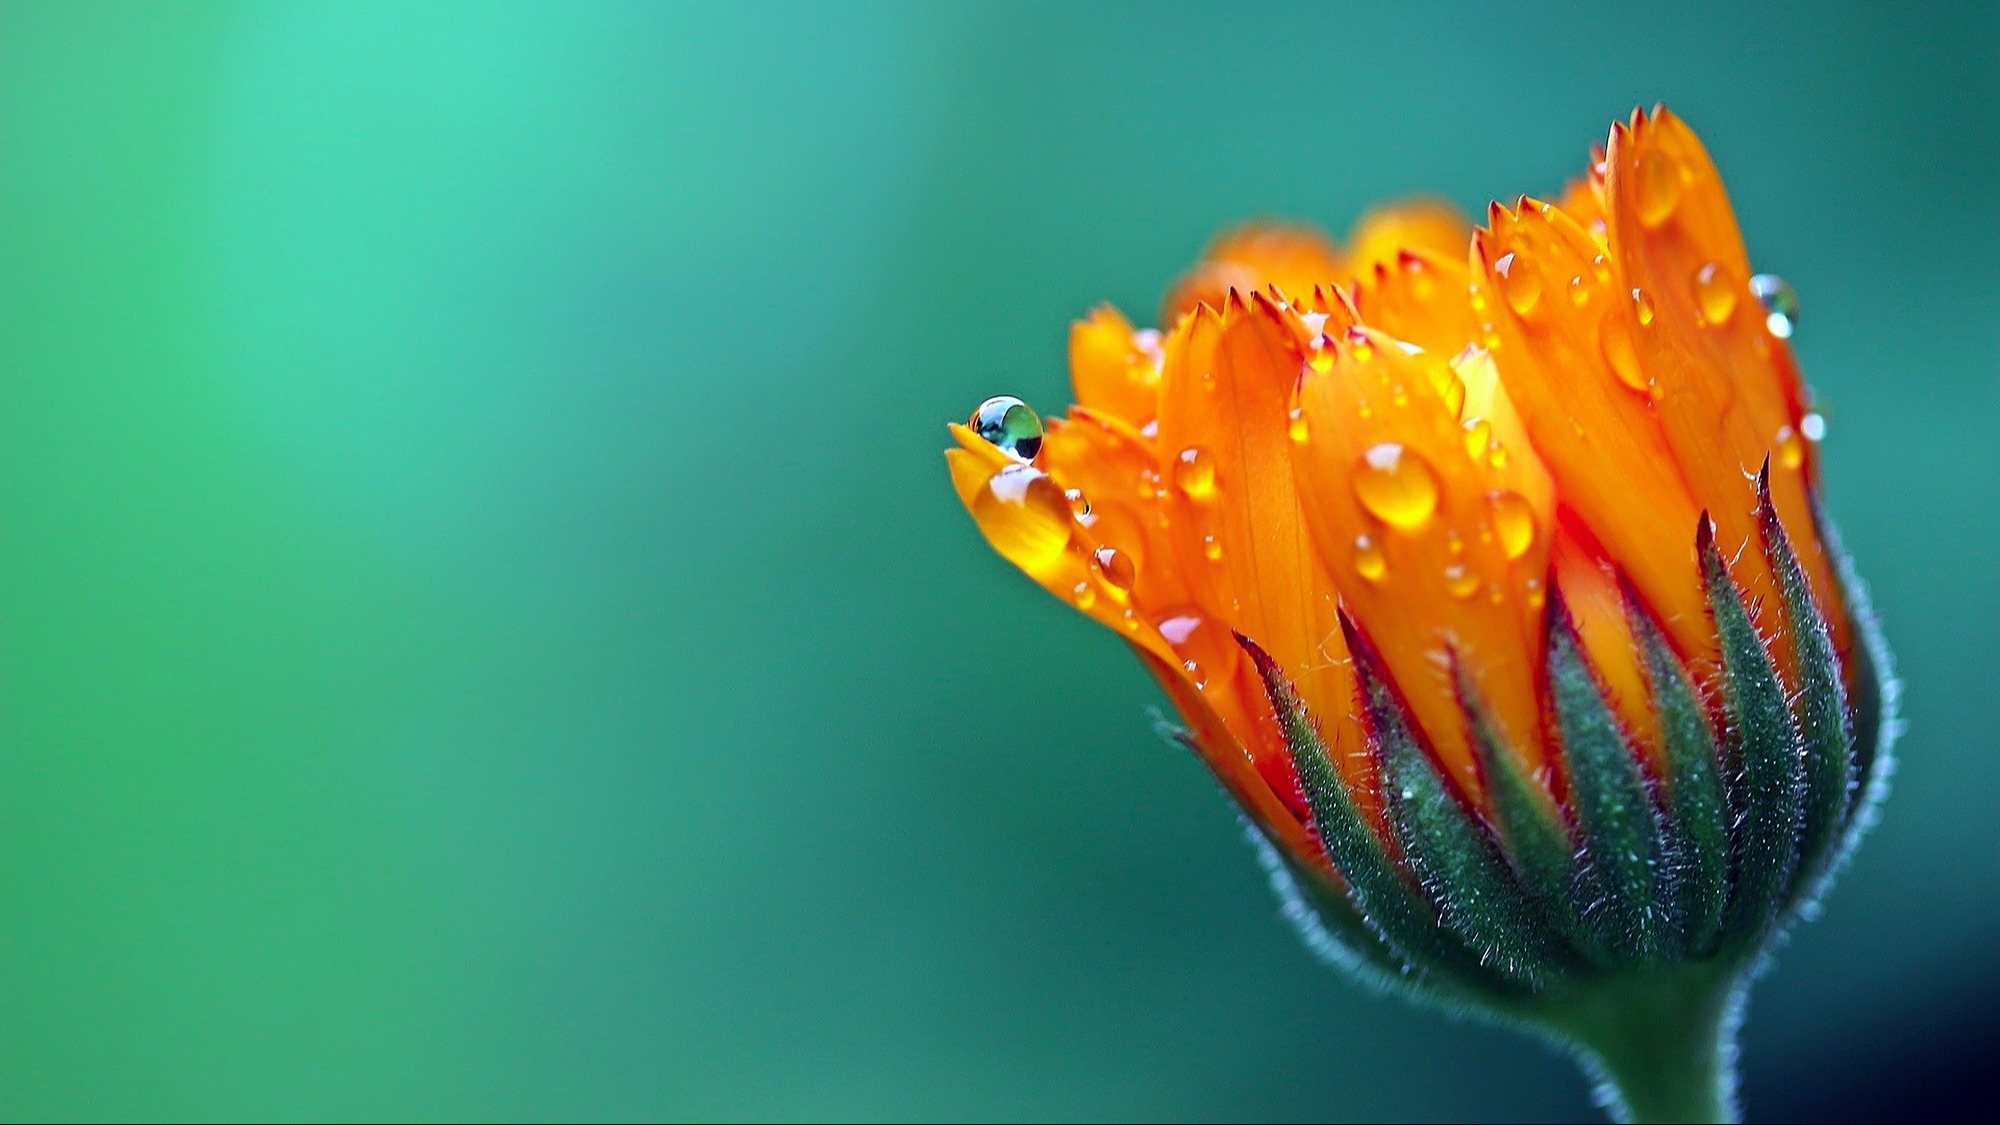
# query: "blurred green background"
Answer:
x=484 y=629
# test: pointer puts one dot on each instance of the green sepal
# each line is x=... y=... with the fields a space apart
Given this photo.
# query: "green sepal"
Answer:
x=1819 y=705
x=1631 y=909
x=1765 y=769
x=1696 y=821
x=1452 y=854
x=1533 y=835
x=1392 y=909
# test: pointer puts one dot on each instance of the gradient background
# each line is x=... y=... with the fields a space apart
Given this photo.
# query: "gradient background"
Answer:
x=484 y=629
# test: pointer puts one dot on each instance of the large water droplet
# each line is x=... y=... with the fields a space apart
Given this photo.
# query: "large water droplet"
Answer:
x=1396 y=485
x=1194 y=473
x=1025 y=517
x=1780 y=301
x=1011 y=425
x=1369 y=561
x=1520 y=283
x=1659 y=187
x=1615 y=341
x=1116 y=569
x=1716 y=289
x=1514 y=520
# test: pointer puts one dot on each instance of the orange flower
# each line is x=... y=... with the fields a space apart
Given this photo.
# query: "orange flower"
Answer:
x=1510 y=496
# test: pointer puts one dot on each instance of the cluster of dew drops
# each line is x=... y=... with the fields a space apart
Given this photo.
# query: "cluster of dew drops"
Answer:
x=1391 y=482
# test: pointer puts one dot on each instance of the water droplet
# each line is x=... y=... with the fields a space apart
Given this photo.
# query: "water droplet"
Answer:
x=1579 y=291
x=1369 y=561
x=1178 y=628
x=1602 y=268
x=1460 y=580
x=1813 y=426
x=1715 y=292
x=1496 y=455
x=1780 y=301
x=1195 y=674
x=1536 y=598
x=1296 y=426
x=1025 y=517
x=1642 y=307
x=1116 y=569
x=1791 y=451
x=1615 y=341
x=1396 y=485
x=1478 y=432
x=1520 y=283
x=1010 y=424
x=1084 y=595
x=1659 y=187
x=1358 y=344
x=1194 y=473
x=1078 y=505
x=1514 y=519
x=1321 y=359
x=1211 y=547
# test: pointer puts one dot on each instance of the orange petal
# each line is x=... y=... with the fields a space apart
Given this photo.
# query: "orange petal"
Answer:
x=1114 y=369
x=1586 y=402
x=1729 y=395
x=1238 y=533
x=1247 y=259
x=1426 y=226
x=1428 y=562
x=1419 y=296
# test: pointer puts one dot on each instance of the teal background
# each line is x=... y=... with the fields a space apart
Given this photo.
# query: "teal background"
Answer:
x=484 y=629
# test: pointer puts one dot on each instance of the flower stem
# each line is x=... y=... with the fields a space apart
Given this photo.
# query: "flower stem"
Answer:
x=1662 y=1048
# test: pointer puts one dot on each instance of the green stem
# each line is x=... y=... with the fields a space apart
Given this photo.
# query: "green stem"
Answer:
x=1664 y=1047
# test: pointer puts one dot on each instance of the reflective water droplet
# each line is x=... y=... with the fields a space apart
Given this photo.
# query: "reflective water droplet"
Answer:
x=1194 y=473
x=1179 y=627
x=1614 y=340
x=1460 y=580
x=1780 y=301
x=1813 y=426
x=1358 y=344
x=1321 y=357
x=1791 y=451
x=1369 y=561
x=1396 y=485
x=1196 y=676
x=1514 y=519
x=1116 y=569
x=1536 y=598
x=1579 y=291
x=1659 y=187
x=1602 y=268
x=1642 y=307
x=1025 y=517
x=1084 y=595
x=1478 y=432
x=1496 y=455
x=1296 y=426
x=1010 y=424
x=1078 y=504
x=1520 y=283
x=1715 y=291
x=1211 y=547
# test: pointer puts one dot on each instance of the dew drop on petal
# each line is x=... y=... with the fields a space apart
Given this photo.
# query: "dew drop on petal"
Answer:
x=1642 y=307
x=1084 y=595
x=1579 y=291
x=1615 y=341
x=1396 y=485
x=1536 y=598
x=1520 y=283
x=1659 y=187
x=1478 y=432
x=1211 y=547
x=1780 y=301
x=1369 y=561
x=1116 y=569
x=1078 y=504
x=1196 y=675
x=1514 y=520
x=1296 y=425
x=1011 y=425
x=1715 y=292
x=1025 y=517
x=1791 y=450
x=1460 y=580
x=1813 y=426
x=1194 y=473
